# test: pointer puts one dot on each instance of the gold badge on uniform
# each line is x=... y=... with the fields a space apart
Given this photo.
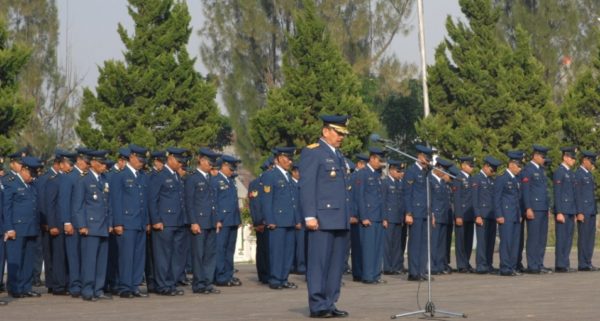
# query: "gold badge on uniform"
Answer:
x=267 y=189
x=106 y=189
x=333 y=174
x=254 y=194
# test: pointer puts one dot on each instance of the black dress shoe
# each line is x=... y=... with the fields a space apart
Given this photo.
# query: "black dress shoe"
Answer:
x=546 y=270
x=17 y=295
x=183 y=283
x=211 y=291
x=235 y=282
x=235 y=279
x=75 y=295
x=32 y=294
x=464 y=270
x=324 y=314
x=378 y=281
x=178 y=292
x=2 y=288
x=588 y=269
x=289 y=285
x=63 y=292
x=413 y=278
x=37 y=283
x=339 y=313
x=126 y=295
x=275 y=287
x=89 y=298
x=2 y=302
x=139 y=294
x=356 y=279
x=533 y=271
x=564 y=270
x=389 y=273
x=104 y=297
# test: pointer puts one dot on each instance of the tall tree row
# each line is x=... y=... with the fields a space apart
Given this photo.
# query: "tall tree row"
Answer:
x=246 y=41
x=486 y=96
x=154 y=97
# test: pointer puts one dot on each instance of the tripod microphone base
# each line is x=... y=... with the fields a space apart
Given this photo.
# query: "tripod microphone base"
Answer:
x=430 y=311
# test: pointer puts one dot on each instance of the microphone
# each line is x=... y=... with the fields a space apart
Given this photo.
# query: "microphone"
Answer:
x=377 y=138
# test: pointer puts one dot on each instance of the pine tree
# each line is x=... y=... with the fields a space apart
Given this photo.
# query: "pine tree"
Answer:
x=14 y=110
x=317 y=81
x=155 y=97
x=486 y=97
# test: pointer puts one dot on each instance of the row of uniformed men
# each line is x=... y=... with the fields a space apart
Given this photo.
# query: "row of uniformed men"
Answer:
x=99 y=221
x=391 y=209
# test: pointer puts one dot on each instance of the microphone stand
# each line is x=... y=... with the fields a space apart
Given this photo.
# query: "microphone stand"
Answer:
x=430 y=309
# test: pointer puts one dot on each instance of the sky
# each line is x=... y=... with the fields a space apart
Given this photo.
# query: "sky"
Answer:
x=88 y=33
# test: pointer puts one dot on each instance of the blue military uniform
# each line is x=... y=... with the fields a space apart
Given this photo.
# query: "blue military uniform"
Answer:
x=299 y=265
x=564 y=203
x=415 y=186
x=166 y=206
x=355 y=246
x=278 y=204
x=201 y=210
x=440 y=210
x=149 y=266
x=483 y=206
x=463 y=208
x=255 y=190
x=43 y=252
x=228 y=213
x=324 y=196
x=393 y=211
x=534 y=185
x=129 y=203
x=369 y=200
x=91 y=210
x=585 y=199
x=507 y=195
x=21 y=215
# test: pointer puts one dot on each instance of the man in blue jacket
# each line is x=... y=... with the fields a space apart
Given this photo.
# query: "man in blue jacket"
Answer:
x=278 y=204
x=440 y=215
x=200 y=206
x=255 y=190
x=565 y=209
x=463 y=211
x=393 y=209
x=507 y=196
x=325 y=203
x=94 y=222
x=585 y=197
x=485 y=220
x=21 y=228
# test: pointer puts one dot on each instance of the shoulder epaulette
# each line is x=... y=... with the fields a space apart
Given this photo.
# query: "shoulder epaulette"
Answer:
x=313 y=146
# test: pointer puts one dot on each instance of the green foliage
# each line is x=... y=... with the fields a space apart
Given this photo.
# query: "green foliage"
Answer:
x=401 y=113
x=317 y=81
x=487 y=98
x=154 y=98
x=14 y=110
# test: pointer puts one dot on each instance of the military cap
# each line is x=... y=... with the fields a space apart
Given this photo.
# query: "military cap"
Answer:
x=424 y=150
x=31 y=162
x=83 y=153
x=287 y=151
x=540 y=149
x=232 y=161
x=110 y=163
x=123 y=152
x=569 y=151
x=362 y=157
x=393 y=163
x=18 y=155
x=141 y=152
x=159 y=155
x=62 y=155
x=589 y=155
x=378 y=151
x=98 y=155
x=468 y=160
x=515 y=156
x=181 y=154
x=265 y=165
x=492 y=161
x=337 y=122
x=443 y=163
x=454 y=170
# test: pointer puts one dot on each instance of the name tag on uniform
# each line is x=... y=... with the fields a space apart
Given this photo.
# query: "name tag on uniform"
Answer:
x=169 y=180
x=329 y=160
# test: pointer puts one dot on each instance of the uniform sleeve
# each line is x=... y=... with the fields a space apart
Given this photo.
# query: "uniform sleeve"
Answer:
x=51 y=200
x=116 y=198
x=457 y=189
x=386 y=198
x=77 y=204
x=267 y=198
x=189 y=191
x=408 y=188
x=153 y=195
x=498 y=188
x=361 y=200
x=7 y=209
x=65 y=192
x=579 y=191
x=558 y=183
x=526 y=188
x=309 y=165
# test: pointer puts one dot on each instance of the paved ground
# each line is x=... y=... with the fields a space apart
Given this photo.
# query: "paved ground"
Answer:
x=573 y=296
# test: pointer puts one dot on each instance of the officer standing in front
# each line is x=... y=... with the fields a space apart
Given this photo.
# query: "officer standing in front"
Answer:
x=565 y=209
x=22 y=228
x=166 y=207
x=228 y=215
x=585 y=188
x=485 y=220
x=415 y=186
x=465 y=219
x=325 y=203
x=535 y=200
x=395 y=233
x=201 y=211
x=129 y=203
x=281 y=217
x=507 y=195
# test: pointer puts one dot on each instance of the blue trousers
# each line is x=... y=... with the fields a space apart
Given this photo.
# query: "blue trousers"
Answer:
x=537 y=235
x=226 y=239
x=112 y=282
x=204 y=259
x=60 y=275
x=149 y=267
x=394 y=247
x=325 y=264
x=132 y=254
x=2 y=260
x=47 y=257
x=486 y=239
x=169 y=258
x=94 y=257
x=20 y=257
x=564 y=241
x=509 y=246
x=417 y=247
x=262 y=256
x=585 y=242
x=281 y=254
x=73 y=245
x=439 y=244
x=371 y=241
x=463 y=246
x=299 y=265
x=356 y=251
